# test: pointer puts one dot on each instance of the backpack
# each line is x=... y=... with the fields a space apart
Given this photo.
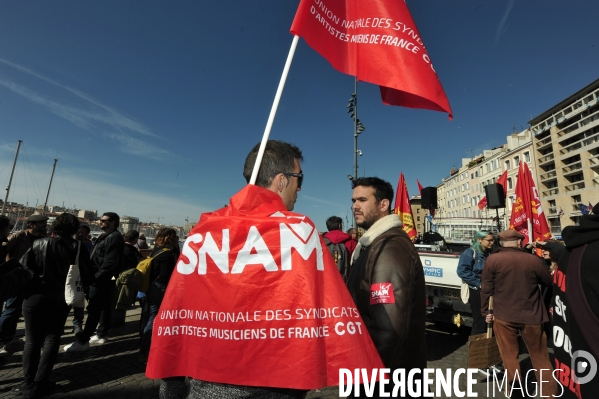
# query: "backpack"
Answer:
x=340 y=255
x=144 y=267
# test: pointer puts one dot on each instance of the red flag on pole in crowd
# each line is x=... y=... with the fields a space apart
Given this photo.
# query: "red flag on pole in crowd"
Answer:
x=376 y=41
x=527 y=213
x=403 y=208
x=419 y=187
x=255 y=299
x=482 y=204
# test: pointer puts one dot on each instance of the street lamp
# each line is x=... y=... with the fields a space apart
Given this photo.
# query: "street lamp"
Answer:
x=358 y=128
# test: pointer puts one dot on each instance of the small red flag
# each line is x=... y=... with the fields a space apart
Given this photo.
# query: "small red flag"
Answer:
x=527 y=206
x=482 y=203
x=419 y=187
x=403 y=208
x=376 y=41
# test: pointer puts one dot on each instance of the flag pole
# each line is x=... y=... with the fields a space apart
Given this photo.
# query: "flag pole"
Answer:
x=273 y=110
x=529 y=225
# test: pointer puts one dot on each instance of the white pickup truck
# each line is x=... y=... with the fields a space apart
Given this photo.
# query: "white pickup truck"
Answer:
x=443 y=301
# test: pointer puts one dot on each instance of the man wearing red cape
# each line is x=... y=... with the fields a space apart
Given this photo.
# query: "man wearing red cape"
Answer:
x=255 y=307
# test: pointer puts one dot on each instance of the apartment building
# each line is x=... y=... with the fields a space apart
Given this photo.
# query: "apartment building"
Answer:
x=458 y=195
x=566 y=151
x=519 y=149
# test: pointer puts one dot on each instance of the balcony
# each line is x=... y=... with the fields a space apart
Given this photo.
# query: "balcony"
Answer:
x=556 y=230
x=594 y=160
x=596 y=181
x=546 y=142
x=549 y=175
x=575 y=186
x=546 y=159
x=550 y=192
x=572 y=147
x=572 y=168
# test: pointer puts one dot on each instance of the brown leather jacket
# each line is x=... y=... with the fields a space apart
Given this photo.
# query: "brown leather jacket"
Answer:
x=397 y=329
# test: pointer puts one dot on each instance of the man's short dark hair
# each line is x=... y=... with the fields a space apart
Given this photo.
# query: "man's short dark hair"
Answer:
x=131 y=235
x=334 y=223
x=382 y=188
x=85 y=227
x=113 y=217
x=278 y=158
x=65 y=224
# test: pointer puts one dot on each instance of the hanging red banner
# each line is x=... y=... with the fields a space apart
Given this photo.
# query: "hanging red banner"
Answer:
x=254 y=300
x=404 y=209
x=527 y=206
x=376 y=41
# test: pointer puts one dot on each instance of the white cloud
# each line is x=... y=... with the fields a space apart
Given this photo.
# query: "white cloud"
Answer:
x=99 y=112
x=138 y=147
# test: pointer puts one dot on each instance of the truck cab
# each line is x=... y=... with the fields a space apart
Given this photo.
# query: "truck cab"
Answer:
x=443 y=299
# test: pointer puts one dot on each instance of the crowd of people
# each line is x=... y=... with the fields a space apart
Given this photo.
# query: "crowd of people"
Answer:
x=382 y=274
x=531 y=301
x=39 y=260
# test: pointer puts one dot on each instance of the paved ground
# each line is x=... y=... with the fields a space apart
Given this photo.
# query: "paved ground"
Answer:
x=113 y=371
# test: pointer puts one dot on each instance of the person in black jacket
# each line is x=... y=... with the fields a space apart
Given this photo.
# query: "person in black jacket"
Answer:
x=12 y=280
x=107 y=259
x=44 y=307
x=132 y=254
x=162 y=267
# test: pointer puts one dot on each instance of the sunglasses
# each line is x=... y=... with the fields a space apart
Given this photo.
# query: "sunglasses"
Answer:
x=105 y=220
x=300 y=178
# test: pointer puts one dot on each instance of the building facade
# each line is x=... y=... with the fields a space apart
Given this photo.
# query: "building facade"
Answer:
x=566 y=151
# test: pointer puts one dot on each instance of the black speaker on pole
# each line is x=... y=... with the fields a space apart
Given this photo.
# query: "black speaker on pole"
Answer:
x=495 y=196
x=429 y=198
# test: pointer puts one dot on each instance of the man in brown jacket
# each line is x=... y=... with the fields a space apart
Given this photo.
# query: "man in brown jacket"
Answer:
x=386 y=279
x=512 y=276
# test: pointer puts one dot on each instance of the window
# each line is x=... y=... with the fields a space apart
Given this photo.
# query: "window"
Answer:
x=516 y=161
x=467 y=186
x=527 y=156
x=507 y=165
x=417 y=210
x=510 y=184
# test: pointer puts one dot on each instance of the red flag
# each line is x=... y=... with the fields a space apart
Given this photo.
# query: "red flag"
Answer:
x=419 y=187
x=528 y=207
x=503 y=181
x=482 y=203
x=252 y=301
x=376 y=41
x=403 y=208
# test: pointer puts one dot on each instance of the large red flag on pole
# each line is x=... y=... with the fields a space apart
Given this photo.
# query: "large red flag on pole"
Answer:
x=376 y=41
x=403 y=208
x=527 y=213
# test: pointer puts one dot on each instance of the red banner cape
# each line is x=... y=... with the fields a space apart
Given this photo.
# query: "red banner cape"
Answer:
x=255 y=301
x=528 y=206
x=403 y=207
x=376 y=41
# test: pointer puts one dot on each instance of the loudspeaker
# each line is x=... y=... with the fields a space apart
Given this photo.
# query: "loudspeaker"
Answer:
x=495 y=196
x=429 y=198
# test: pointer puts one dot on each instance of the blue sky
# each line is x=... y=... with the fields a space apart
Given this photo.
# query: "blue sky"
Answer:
x=152 y=106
